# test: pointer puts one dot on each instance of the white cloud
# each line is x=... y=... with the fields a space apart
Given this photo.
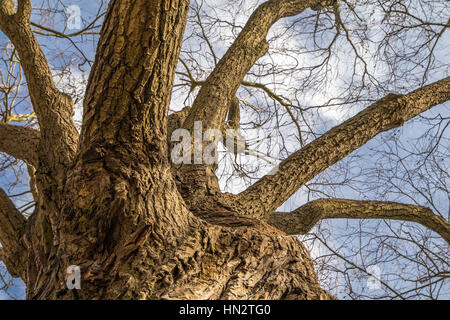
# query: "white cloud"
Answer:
x=73 y=82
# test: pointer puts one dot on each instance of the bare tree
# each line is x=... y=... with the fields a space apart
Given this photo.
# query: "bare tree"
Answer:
x=104 y=194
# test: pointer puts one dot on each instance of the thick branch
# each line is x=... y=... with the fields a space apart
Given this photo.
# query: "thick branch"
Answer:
x=304 y=218
x=23 y=10
x=234 y=115
x=220 y=88
x=217 y=93
x=303 y=165
x=12 y=225
x=53 y=108
x=128 y=94
x=6 y=8
x=20 y=142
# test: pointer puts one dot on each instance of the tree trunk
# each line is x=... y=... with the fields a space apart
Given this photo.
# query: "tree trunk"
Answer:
x=113 y=208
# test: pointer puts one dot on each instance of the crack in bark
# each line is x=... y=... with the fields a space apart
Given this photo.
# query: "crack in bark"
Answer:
x=53 y=108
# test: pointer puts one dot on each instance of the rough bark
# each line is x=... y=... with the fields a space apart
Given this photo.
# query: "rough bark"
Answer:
x=20 y=142
x=216 y=94
x=53 y=108
x=12 y=227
